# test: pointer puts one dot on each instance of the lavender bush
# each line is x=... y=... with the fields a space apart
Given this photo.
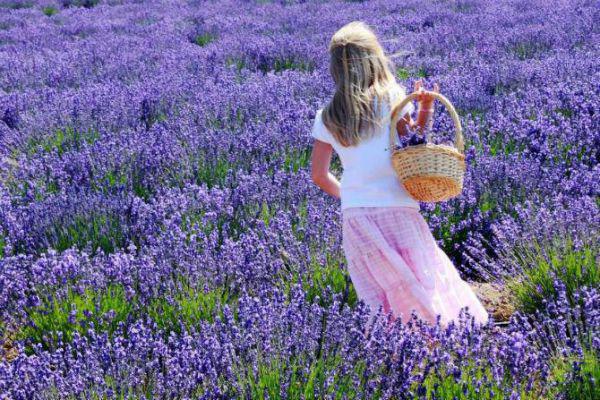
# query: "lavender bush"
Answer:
x=160 y=236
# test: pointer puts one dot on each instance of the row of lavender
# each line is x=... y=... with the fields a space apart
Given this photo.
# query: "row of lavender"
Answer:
x=159 y=234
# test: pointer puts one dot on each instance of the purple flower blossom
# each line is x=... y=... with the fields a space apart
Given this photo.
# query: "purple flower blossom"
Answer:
x=178 y=172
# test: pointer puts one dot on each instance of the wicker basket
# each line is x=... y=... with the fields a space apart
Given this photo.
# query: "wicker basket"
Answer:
x=429 y=172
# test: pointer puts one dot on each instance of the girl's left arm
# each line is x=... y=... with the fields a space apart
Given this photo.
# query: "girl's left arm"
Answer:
x=320 y=162
x=424 y=113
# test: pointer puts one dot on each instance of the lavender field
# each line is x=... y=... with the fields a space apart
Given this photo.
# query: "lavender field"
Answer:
x=161 y=238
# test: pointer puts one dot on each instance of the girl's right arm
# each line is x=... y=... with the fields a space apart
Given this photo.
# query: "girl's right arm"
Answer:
x=321 y=159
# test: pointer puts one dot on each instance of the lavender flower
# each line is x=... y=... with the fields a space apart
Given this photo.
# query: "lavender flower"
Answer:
x=160 y=235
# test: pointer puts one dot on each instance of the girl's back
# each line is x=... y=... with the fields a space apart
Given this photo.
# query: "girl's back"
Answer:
x=368 y=179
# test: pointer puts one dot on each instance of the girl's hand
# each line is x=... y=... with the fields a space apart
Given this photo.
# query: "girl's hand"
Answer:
x=424 y=98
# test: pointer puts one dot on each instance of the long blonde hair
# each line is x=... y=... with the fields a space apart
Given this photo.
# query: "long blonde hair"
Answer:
x=361 y=72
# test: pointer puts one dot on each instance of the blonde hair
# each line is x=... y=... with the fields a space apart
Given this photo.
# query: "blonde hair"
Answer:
x=362 y=74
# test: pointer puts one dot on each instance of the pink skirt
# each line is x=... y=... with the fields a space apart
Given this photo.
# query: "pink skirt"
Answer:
x=394 y=262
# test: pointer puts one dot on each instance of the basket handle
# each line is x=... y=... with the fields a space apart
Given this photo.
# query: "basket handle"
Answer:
x=396 y=108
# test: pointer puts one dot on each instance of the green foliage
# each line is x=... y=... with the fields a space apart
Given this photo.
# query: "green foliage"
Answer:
x=111 y=179
x=501 y=143
x=565 y=112
x=283 y=64
x=528 y=49
x=135 y=178
x=444 y=232
x=295 y=159
x=238 y=63
x=204 y=39
x=336 y=166
x=2 y=245
x=300 y=219
x=307 y=376
x=49 y=11
x=41 y=187
x=492 y=202
x=153 y=117
x=129 y=175
x=423 y=73
x=267 y=213
x=58 y=318
x=442 y=384
x=568 y=154
x=63 y=140
x=101 y=230
x=542 y=262
x=406 y=73
x=496 y=203
x=188 y=307
x=318 y=277
x=119 y=392
x=232 y=119
x=211 y=171
x=576 y=374
x=577 y=378
x=280 y=64
x=403 y=73
x=193 y=221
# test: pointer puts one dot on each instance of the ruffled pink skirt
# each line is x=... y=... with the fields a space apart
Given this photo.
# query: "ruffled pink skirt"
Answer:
x=395 y=262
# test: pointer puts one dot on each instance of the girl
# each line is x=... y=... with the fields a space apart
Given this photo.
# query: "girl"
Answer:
x=393 y=259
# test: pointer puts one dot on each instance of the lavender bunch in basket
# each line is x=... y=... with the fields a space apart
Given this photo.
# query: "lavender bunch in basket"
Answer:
x=413 y=139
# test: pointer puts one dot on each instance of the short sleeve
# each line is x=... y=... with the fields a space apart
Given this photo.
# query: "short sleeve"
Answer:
x=319 y=131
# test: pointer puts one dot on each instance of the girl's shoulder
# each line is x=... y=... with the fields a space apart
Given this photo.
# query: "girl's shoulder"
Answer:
x=319 y=131
x=393 y=94
x=396 y=93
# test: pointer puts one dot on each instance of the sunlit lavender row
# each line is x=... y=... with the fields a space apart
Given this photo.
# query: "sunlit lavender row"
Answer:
x=160 y=236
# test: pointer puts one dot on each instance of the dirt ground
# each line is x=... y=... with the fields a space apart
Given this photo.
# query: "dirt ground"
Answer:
x=496 y=300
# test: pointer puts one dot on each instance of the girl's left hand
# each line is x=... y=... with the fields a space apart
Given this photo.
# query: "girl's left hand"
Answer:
x=424 y=98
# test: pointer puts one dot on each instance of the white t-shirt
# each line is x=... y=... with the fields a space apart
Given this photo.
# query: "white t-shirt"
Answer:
x=368 y=179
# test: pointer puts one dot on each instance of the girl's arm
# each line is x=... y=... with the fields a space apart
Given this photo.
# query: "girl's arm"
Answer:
x=424 y=113
x=321 y=159
x=404 y=124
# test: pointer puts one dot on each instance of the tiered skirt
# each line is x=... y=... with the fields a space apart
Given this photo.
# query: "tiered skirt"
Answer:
x=394 y=262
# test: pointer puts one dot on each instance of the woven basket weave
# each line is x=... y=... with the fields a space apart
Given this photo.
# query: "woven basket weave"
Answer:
x=429 y=172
